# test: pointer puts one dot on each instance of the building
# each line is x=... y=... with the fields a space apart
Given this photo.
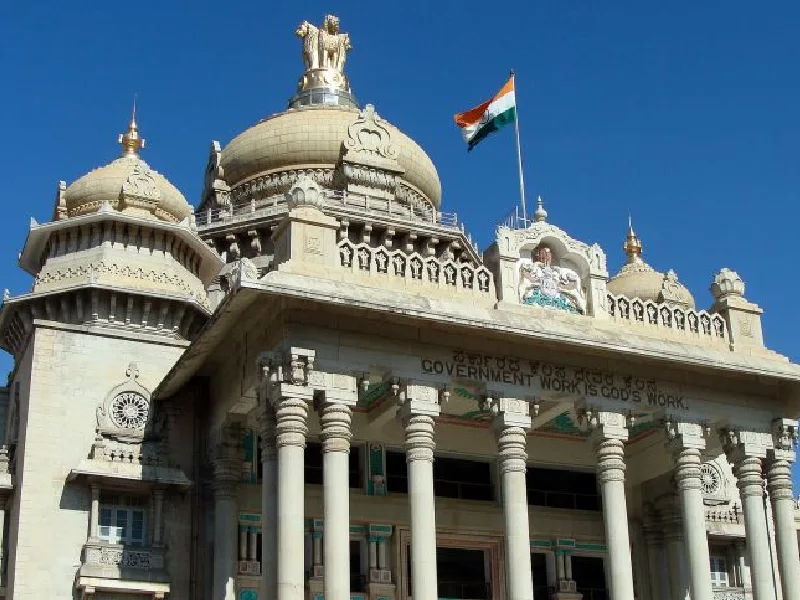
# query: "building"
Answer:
x=245 y=401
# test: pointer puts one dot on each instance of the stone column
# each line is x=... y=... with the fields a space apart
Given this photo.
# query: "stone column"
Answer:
x=510 y=424
x=779 y=483
x=158 y=510
x=227 y=464
x=289 y=391
x=335 y=417
x=419 y=407
x=269 y=498
x=686 y=441
x=94 y=513
x=291 y=412
x=654 y=542
x=676 y=562
x=746 y=450
x=608 y=435
x=744 y=567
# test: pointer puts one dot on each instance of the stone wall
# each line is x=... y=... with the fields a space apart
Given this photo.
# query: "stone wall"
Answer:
x=64 y=376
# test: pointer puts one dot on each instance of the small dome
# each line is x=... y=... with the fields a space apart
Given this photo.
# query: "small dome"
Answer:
x=129 y=185
x=313 y=136
x=637 y=279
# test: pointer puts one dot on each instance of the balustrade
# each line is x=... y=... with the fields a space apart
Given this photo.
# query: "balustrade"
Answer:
x=115 y=561
x=362 y=258
x=695 y=323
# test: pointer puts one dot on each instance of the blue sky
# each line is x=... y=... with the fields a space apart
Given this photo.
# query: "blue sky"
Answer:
x=686 y=114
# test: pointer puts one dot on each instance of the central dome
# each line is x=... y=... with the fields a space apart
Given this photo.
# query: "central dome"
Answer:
x=313 y=137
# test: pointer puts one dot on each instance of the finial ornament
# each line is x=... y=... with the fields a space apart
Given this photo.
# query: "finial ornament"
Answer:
x=632 y=245
x=130 y=141
x=324 y=54
x=541 y=214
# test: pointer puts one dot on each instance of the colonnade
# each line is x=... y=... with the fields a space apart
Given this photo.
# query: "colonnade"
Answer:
x=291 y=389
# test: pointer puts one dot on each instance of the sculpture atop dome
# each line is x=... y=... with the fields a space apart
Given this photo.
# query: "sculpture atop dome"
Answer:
x=324 y=54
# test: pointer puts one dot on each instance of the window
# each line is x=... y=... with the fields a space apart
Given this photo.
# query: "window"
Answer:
x=396 y=472
x=559 y=488
x=719 y=571
x=452 y=477
x=590 y=576
x=463 y=479
x=357 y=580
x=462 y=573
x=122 y=521
x=314 y=465
x=539 y=575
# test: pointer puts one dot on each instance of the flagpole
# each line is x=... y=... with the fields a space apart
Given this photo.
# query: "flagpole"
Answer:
x=519 y=150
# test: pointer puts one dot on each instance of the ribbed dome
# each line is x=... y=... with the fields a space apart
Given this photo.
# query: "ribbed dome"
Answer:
x=128 y=184
x=637 y=279
x=312 y=137
x=147 y=192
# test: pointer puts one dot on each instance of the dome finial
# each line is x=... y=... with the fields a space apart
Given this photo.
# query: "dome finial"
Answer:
x=632 y=245
x=130 y=141
x=541 y=214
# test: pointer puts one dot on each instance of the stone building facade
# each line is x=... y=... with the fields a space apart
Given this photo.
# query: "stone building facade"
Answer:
x=315 y=385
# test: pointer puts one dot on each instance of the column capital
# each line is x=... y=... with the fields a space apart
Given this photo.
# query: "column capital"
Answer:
x=740 y=444
x=507 y=412
x=291 y=412
x=419 y=399
x=267 y=422
x=335 y=418
x=603 y=424
x=284 y=369
x=227 y=459
x=784 y=439
x=685 y=435
x=779 y=479
x=339 y=388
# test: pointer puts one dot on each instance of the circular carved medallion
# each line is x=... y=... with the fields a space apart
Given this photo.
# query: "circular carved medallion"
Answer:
x=129 y=410
x=711 y=478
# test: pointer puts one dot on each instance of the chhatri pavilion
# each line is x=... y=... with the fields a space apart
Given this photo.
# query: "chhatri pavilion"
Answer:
x=314 y=385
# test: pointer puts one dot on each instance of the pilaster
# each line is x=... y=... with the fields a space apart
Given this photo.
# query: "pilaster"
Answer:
x=686 y=440
x=286 y=383
x=510 y=423
x=608 y=433
x=779 y=483
x=419 y=407
x=746 y=450
x=334 y=404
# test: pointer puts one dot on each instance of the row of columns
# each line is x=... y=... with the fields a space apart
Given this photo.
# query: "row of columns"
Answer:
x=288 y=393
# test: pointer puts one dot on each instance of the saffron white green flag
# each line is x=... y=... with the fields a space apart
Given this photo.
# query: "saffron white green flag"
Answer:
x=491 y=116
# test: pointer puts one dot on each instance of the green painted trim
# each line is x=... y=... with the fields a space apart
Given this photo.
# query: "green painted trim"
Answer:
x=592 y=547
x=250 y=518
x=375 y=529
x=541 y=543
x=566 y=543
x=357 y=529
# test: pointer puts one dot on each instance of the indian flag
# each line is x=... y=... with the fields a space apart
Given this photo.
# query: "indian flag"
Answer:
x=491 y=116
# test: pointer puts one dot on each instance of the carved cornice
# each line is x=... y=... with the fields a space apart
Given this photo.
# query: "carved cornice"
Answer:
x=98 y=272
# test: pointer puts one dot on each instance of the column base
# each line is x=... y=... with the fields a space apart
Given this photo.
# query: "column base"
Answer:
x=315 y=589
x=381 y=590
x=383 y=576
x=566 y=596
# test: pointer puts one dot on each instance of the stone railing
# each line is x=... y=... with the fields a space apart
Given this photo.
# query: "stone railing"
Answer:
x=114 y=561
x=377 y=207
x=729 y=594
x=724 y=514
x=697 y=324
x=413 y=268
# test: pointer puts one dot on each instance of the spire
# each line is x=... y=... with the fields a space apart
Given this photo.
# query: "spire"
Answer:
x=130 y=141
x=632 y=245
x=541 y=214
